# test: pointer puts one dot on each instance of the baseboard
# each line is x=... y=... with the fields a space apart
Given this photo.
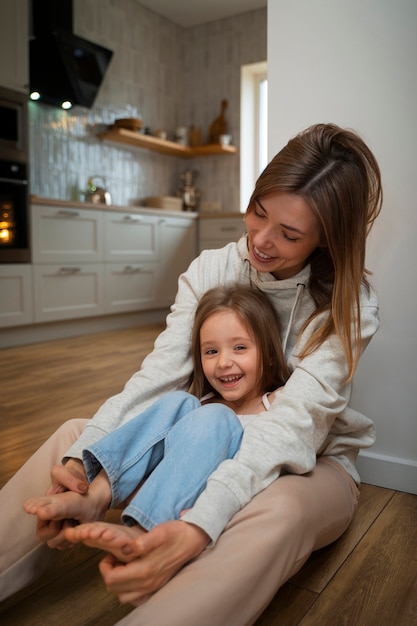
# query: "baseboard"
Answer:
x=388 y=471
x=34 y=333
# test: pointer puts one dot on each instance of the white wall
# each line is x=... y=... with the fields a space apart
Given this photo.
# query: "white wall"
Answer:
x=353 y=62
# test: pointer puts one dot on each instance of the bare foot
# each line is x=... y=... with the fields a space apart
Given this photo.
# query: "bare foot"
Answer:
x=86 y=507
x=66 y=505
x=113 y=538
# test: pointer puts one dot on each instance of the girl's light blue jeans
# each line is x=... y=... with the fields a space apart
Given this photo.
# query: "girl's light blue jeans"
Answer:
x=173 y=446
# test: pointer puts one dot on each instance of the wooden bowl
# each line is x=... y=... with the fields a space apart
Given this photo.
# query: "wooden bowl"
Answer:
x=130 y=123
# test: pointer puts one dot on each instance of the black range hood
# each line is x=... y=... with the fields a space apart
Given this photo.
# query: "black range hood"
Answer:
x=63 y=66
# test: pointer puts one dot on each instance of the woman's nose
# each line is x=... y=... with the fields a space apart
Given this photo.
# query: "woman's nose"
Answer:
x=264 y=238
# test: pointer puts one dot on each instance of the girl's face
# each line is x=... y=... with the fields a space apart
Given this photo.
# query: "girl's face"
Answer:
x=230 y=358
x=282 y=233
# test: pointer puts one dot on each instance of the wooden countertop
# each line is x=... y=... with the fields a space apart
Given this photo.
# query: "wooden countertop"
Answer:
x=74 y=204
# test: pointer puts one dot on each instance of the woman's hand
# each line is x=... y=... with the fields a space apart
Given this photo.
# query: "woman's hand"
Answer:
x=68 y=477
x=157 y=557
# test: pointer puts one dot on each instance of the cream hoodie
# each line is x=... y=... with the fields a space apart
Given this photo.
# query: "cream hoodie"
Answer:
x=309 y=417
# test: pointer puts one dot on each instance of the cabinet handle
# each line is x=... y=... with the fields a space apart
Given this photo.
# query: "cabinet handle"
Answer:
x=69 y=270
x=129 y=218
x=129 y=269
x=68 y=213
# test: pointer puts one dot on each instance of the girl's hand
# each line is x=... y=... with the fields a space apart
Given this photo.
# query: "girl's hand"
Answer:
x=154 y=558
x=68 y=477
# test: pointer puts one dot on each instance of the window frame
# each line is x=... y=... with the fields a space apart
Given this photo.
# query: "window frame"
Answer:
x=250 y=123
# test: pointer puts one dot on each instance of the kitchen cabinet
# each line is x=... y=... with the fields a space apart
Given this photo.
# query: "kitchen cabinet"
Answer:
x=63 y=292
x=178 y=249
x=152 y=250
x=137 y=140
x=132 y=255
x=217 y=231
x=96 y=261
x=16 y=305
x=14 y=44
x=67 y=252
x=131 y=237
x=67 y=235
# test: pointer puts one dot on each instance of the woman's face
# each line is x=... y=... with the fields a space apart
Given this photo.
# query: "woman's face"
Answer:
x=282 y=233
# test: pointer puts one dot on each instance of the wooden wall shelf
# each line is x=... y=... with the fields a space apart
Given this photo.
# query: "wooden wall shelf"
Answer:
x=135 y=139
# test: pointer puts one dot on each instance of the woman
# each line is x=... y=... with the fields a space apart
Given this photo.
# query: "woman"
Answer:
x=307 y=224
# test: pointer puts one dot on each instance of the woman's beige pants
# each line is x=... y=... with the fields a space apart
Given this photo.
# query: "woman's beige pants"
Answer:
x=228 y=585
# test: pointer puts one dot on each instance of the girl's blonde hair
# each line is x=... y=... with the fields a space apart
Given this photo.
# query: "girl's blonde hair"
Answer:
x=335 y=172
x=259 y=317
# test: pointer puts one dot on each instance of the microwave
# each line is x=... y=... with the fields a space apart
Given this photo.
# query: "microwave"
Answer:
x=13 y=125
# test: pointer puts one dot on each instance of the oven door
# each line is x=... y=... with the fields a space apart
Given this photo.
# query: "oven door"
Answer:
x=14 y=226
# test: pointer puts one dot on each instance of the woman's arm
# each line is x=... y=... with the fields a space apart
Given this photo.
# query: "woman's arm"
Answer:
x=309 y=416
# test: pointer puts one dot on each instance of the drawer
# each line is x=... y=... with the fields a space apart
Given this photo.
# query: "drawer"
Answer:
x=66 y=235
x=68 y=291
x=224 y=229
x=131 y=237
x=131 y=287
x=16 y=306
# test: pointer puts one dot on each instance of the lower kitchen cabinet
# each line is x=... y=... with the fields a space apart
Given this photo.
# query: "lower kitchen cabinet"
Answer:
x=131 y=237
x=216 y=232
x=66 y=235
x=130 y=287
x=16 y=303
x=178 y=249
x=68 y=291
x=95 y=261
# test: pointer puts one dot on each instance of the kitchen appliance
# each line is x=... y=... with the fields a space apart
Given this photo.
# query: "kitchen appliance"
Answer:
x=62 y=66
x=97 y=195
x=13 y=125
x=189 y=193
x=14 y=221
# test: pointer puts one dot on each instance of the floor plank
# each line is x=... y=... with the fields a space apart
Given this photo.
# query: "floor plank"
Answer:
x=378 y=582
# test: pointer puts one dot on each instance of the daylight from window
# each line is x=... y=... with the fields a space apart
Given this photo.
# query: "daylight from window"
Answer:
x=253 y=127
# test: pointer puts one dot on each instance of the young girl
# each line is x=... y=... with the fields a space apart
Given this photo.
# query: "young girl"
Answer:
x=172 y=447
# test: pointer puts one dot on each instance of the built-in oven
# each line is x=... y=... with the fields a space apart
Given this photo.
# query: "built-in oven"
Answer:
x=14 y=177
x=13 y=125
x=14 y=214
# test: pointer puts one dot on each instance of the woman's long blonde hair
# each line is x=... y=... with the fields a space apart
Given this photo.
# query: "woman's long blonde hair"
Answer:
x=260 y=318
x=335 y=172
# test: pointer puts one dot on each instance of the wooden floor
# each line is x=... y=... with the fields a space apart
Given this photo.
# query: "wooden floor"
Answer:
x=367 y=578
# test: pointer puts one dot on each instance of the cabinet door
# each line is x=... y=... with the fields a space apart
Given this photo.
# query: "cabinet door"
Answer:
x=68 y=291
x=178 y=249
x=131 y=287
x=16 y=306
x=217 y=232
x=131 y=237
x=14 y=44
x=66 y=235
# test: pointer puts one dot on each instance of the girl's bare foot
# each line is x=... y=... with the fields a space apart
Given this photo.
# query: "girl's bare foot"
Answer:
x=87 y=507
x=56 y=507
x=113 y=538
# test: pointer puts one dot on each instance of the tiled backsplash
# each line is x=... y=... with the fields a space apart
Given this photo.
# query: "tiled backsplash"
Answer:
x=165 y=74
